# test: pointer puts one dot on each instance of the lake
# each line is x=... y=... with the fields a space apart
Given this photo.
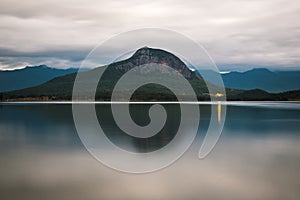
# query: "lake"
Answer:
x=256 y=157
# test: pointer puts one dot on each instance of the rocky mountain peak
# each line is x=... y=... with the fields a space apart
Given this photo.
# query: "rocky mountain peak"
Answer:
x=146 y=55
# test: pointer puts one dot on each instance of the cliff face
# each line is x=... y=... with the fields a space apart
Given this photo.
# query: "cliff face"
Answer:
x=147 y=55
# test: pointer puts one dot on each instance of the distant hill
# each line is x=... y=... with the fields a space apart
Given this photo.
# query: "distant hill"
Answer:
x=264 y=79
x=60 y=88
x=29 y=76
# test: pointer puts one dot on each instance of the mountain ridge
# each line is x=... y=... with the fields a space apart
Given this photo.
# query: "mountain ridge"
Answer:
x=29 y=76
x=60 y=88
x=259 y=78
x=265 y=79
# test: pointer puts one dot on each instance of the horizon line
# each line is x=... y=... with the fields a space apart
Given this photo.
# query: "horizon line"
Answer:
x=148 y=102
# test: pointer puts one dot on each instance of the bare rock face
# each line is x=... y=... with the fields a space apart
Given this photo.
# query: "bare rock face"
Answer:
x=148 y=55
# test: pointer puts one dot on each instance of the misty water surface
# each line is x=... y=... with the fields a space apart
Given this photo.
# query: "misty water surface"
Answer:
x=257 y=156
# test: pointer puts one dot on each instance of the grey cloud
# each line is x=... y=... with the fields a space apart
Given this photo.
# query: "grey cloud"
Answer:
x=72 y=55
x=8 y=63
x=235 y=32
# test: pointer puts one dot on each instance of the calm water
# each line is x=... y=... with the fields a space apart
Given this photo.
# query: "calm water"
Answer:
x=257 y=156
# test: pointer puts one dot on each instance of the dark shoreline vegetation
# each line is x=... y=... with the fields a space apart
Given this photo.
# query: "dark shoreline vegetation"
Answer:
x=61 y=88
x=286 y=96
x=147 y=93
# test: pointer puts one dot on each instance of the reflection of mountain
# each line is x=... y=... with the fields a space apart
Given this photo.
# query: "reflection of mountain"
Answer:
x=29 y=76
x=60 y=88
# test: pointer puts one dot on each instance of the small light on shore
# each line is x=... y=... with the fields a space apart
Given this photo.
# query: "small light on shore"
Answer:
x=219 y=95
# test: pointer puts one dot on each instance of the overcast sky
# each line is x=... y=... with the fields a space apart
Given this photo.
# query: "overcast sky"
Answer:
x=238 y=34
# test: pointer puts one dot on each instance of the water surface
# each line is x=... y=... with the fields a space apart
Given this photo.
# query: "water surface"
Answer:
x=257 y=156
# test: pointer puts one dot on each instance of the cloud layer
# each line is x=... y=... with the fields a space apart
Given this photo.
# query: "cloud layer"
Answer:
x=236 y=33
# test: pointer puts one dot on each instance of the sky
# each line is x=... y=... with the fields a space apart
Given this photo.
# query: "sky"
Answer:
x=237 y=34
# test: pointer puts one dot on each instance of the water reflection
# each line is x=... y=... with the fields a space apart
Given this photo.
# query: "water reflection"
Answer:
x=219 y=111
x=140 y=114
x=257 y=157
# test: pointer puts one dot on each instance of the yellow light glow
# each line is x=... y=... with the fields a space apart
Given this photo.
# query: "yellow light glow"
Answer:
x=219 y=95
x=219 y=111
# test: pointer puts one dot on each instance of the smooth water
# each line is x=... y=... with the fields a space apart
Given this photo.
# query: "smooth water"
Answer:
x=257 y=156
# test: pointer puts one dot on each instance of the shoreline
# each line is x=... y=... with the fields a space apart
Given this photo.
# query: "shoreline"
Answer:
x=147 y=102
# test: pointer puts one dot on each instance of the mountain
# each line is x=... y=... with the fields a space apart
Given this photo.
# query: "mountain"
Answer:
x=271 y=81
x=29 y=76
x=148 y=55
x=60 y=88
